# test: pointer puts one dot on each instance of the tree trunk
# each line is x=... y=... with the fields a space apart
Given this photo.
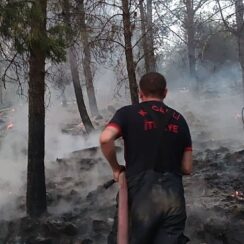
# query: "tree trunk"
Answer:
x=36 y=188
x=239 y=9
x=129 y=53
x=78 y=91
x=190 y=31
x=241 y=58
x=152 y=61
x=147 y=39
x=1 y=93
x=75 y=74
x=87 y=62
x=144 y=37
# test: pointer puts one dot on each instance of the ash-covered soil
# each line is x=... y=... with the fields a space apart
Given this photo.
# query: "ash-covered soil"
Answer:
x=81 y=210
x=215 y=200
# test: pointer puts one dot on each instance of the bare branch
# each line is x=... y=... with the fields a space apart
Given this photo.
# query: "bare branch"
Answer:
x=171 y=11
x=232 y=30
x=108 y=40
x=160 y=18
x=108 y=20
x=199 y=5
x=6 y=70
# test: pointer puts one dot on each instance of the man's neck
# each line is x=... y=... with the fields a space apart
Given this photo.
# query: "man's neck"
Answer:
x=147 y=99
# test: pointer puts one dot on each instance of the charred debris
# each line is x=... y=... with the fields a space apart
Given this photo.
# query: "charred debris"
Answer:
x=81 y=210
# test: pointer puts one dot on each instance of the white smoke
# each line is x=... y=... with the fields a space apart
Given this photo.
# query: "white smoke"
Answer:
x=215 y=111
x=63 y=135
x=13 y=163
x=216 y=116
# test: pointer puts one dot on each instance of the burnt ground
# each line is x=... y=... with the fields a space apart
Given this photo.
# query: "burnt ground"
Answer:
x=215 y=199
x=81 y=210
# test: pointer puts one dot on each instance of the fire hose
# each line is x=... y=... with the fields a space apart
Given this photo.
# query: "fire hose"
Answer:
x=122 y=235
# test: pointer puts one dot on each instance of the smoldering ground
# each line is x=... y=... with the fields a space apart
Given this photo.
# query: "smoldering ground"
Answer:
x=64 y=135
x=79 y=208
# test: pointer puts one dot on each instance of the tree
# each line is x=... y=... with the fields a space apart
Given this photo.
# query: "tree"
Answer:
x=239 y=11
x=24 y=27
x=1 y=93
x=187 y=14
x=75 y=71
x=191 y=27
x=190 y=32
x=237 y=29
x=147 y=35
x=127 y=29
x=87 y=60
x=78 y=90
x=36 y=188
x=106 y=41
x=215 y=35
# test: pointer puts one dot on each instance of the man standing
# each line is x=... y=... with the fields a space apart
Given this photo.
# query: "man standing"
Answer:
x=158 y=151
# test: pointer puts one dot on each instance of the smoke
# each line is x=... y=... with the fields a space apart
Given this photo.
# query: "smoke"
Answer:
x=63 y=135
x=213 y=117
x=214 y=112
x=59 y=144
x=218 y=117
x=13 y=163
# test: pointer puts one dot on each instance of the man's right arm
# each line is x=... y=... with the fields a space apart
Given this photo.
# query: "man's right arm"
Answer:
x=186 y=164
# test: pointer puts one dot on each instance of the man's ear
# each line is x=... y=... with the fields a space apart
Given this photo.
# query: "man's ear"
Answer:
x=141 y=95
x=165 y=92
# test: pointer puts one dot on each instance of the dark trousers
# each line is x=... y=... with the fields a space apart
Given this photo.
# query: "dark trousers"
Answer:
x=157 y=209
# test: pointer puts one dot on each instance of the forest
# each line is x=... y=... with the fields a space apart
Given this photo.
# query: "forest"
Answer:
x=86 y=57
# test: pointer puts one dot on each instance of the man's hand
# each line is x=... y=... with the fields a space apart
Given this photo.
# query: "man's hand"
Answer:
x=117 y=172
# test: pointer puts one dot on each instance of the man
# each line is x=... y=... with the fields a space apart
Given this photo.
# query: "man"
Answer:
x=158 y=151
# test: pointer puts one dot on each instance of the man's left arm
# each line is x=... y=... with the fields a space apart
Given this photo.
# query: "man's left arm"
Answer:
x=186 y=164
x=107 y=139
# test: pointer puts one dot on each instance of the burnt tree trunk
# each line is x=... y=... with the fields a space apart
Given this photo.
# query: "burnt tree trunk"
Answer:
x=86 y=61
x=36 y=188
x=144 y=37
x=1 y=93
x=129 y=52
x=152 y=61
x=239 y=9
x=75 y=73
x=241 y=58
x=78 y=91
x=147 y=39
x=190 y=31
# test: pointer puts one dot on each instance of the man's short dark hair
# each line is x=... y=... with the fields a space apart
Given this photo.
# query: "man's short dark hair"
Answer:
x=152 y=84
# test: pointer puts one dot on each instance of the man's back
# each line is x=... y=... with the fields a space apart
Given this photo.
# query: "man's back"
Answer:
x=147 y=145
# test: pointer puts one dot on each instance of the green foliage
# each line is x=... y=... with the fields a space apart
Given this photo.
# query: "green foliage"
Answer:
x=56 y=43
x=14 y=24
x=17 y=19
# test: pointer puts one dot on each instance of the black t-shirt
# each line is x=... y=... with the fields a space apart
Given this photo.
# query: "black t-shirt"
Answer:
x=146 y=145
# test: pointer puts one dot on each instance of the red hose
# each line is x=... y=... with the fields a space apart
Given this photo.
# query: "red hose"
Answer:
x=122 y=237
